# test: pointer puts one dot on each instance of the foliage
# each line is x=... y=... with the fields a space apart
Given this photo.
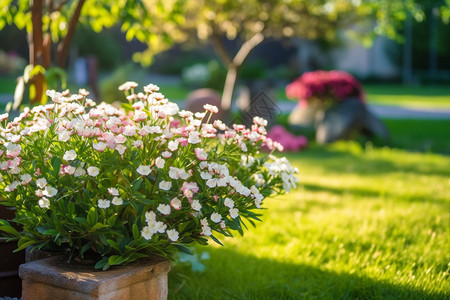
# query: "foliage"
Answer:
x=123 y=183
x=210 y=75
x=325 y=88
x=10 y=63
x=365 y=224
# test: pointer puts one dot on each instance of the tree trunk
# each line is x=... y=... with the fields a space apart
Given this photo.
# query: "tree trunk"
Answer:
x=64 y=45
x=228 y=88
x=232 y=69
x=36 y=47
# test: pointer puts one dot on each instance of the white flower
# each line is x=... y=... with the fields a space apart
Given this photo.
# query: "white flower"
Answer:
x=100 y=146
x=176 y=203
x=201 y=154
x=93 y=171
x=103 y=203
x=222 y=181
x=160 y=227
x=206 y=230
x=216 y=217
x=41 y=182
x=150 y=217
x=205 y=175
x=44 y=203
x=117 y=201
x=228 y=203
x=138 y=143
x=49 y=191
x=113 y=191
x=166 y=154
x=211 y=108
x=196 y=205
x=128 y=86
x=164 y=209
x=211 y=182
x=139 y=115
x=64 y=136
x=194 y=137
x=69 y=170
x=173 y=235
x=147 y=233
x=143 y=170
x=150 y=88
x=129 y=130
x=26 y=179
x=173 y=145
x=70 y=155
x=199 y=115
x=160 y=162
x=165 y=185
x=80 y=172
x=12 y=186
x=234 y=212
x=121 y=149
x=12 y=150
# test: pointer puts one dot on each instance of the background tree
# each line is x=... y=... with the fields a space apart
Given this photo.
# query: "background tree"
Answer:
x=51 y=25
x=250 y=22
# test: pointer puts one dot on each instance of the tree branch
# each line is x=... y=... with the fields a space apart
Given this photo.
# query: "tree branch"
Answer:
x=247 y=47
x=64 y=45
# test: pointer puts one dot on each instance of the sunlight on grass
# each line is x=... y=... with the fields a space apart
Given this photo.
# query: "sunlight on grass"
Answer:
x=419 y=97
x=364 y=224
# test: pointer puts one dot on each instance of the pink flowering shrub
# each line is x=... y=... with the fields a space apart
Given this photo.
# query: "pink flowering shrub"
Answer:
x=125 y=183
x=286 y=139
x=325 y=87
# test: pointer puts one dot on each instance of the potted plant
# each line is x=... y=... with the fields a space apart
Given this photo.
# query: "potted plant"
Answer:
x=115 y=185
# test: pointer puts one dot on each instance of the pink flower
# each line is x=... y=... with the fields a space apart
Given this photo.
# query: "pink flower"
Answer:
x=139 y=116
x=201 y=154
x=176 y=203
x=120 y=139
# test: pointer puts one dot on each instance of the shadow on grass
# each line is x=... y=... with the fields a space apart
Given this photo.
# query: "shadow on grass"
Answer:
x=347 y=162
x=231 y=275
x=356 y=191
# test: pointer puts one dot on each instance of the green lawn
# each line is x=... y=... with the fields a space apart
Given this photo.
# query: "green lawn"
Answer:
x=404 y=96
x=365 y=224
x=409 y=96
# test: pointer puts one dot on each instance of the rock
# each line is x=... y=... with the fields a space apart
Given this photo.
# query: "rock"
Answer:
x=305 y=117
x=197 y=98
x=347 y=119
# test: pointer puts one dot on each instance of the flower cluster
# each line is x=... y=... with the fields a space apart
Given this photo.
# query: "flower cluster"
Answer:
x=324 y=86
x=126 y=182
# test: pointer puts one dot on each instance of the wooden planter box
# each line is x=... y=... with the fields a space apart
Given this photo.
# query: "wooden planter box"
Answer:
x=54 y=278
x=10 y=282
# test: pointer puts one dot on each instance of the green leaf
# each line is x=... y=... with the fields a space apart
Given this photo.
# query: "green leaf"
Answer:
x=114 y=245
x=24 y=245
x=56 y=164
x=50 y=232
x=92 y=217
x=102 y=263
x=183 y=249
x=136 y=184
x=216 y=240
x=116 y=260
x=135 y=230
x=9 y=229
x=86 y=247
x=98 y=226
